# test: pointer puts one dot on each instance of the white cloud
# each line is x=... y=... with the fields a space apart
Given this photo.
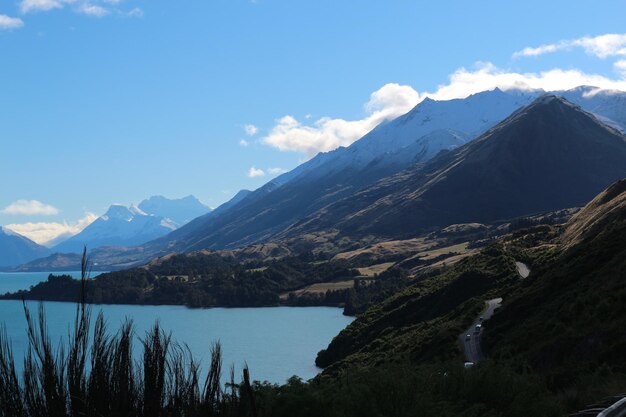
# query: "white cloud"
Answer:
x=8 y=22
x=95 y=8
x=27 y=6
x=254 y=172
x=92 y=10
x=393 y=100
x=603 y=46
x=276 y=171
x=29 y=207
x=487 y=76
x=250 y=130
x=135 y=12
x=243 y=143
x=43 y=233
x=327 y=133
x=620 y=66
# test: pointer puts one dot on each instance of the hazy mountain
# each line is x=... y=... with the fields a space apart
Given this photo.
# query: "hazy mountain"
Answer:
x=547 y=156
x=16 y=249
x=180 y=211
x=119 y=226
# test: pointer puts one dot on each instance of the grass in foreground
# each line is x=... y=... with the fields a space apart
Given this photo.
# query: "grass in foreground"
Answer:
x=95 y=374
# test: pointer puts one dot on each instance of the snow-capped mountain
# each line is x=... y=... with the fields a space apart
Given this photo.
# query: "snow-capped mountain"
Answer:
x=119 y=226
x=608 y=105
x=428 y=128
x=415 y=137
x=180 y=211
x=16 y=249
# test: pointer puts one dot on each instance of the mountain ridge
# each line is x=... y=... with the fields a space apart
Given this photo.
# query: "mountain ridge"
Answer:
x=418 y=190
x=16 y=249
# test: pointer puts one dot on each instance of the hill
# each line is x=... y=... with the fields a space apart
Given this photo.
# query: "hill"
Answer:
x=564 y=322
x=568 y=318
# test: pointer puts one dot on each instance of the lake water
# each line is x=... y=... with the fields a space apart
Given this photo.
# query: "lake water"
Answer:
x=275 y=342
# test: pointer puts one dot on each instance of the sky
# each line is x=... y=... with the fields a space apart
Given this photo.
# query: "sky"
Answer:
x=112 y=101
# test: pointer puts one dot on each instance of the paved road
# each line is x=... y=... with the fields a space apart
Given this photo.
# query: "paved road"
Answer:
x=471 y=346
x=522 y=269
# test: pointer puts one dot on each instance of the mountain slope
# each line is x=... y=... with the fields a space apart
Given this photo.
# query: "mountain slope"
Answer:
x=569 y=316
x=431 y=127
x=416 y=137
x=547 y=156
x=565 y=322
x=119 y=226
x=16 y=249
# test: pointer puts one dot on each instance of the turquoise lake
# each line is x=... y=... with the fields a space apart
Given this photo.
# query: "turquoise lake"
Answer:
x=275 y=342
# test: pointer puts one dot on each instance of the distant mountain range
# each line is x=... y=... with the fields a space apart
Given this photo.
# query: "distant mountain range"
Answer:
x=179 y=211
x=16 y=249
x=135 y=225
x=312 y=188
x=426 y=168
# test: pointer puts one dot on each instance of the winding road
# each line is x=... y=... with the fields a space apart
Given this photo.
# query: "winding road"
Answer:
x=471 y=345
x=470 y=338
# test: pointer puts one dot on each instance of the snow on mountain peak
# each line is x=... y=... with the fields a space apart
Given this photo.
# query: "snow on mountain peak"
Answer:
x=118 y=212
x=137 y=211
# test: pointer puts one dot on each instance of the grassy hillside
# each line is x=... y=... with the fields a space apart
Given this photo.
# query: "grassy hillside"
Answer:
x=568 y=320
x=421 y=322
x=565 y=324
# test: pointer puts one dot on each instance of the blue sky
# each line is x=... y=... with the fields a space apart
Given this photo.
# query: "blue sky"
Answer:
x=111 y=101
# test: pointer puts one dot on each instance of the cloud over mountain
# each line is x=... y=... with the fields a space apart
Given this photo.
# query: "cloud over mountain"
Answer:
x=45 y=232
x=392 y=100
